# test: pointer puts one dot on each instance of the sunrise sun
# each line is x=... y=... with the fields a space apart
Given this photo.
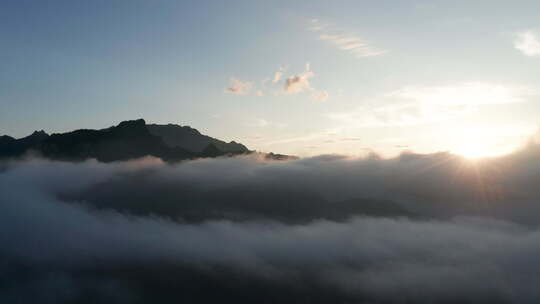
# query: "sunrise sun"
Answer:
x=474 y=151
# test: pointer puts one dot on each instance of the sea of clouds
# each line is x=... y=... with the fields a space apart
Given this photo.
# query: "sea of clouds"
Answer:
x=251 y=230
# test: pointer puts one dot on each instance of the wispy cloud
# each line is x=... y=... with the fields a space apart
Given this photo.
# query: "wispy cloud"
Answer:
x=295 y=139
x=465 y=94
x=263 y=123
x=238 y=87
x=345 y=41
x=413 y=105
x=257 y=122
x=320 y=96
x=528 y=42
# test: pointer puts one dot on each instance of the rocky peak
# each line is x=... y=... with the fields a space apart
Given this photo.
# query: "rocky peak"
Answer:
x=131 y=128
x=130 y=124
x=39 y=134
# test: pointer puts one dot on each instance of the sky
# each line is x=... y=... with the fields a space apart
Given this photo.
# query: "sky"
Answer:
x=301 y=77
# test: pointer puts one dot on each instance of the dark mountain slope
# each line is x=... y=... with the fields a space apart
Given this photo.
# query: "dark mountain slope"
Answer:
x=191 y=140
x=128 y=140
x=11 y=147
x=8 y=146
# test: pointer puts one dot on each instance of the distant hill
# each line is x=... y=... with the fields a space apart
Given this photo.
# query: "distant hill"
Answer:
x=128 y=140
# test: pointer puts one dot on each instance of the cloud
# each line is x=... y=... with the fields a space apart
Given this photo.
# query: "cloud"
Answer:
x=264 y=123
x=277 y=77
x=238 y=87
x=88 y=238
x=413 y=105
x=279 y=74
x=353 y=44
x=419 y=228
x=528 y=43
x=293 y=84
x=300 y=82
x=465 y=94
x=258 y=122
x=320 y=96
x=301 y=138
x=408 y=179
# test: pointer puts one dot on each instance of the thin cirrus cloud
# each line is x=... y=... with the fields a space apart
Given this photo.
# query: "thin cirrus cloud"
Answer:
x=345 y=41
x=413 y=105
x=465 y=94
x=238 y=87
x=320 y=96
x=263 y=123
x=528 y=43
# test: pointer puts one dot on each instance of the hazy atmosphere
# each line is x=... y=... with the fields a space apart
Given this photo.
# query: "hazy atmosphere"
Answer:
x=373 y=152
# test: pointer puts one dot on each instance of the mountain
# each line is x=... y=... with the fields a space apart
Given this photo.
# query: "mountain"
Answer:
x=10 y=147
x=128 y=140
x=191 y=140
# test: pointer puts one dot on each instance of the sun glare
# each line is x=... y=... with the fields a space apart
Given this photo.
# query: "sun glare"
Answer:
x=478 y=142
x=474 y=151
x=482 y=147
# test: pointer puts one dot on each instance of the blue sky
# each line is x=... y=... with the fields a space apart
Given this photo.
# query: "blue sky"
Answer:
x=354 y=76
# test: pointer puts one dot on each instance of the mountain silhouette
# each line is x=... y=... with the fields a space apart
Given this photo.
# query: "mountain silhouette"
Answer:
x=191 y=140
x=10 y=146
x=129 y=139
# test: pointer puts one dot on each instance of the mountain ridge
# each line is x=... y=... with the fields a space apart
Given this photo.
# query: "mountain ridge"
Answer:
x=191 y=139
x=127 y=140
